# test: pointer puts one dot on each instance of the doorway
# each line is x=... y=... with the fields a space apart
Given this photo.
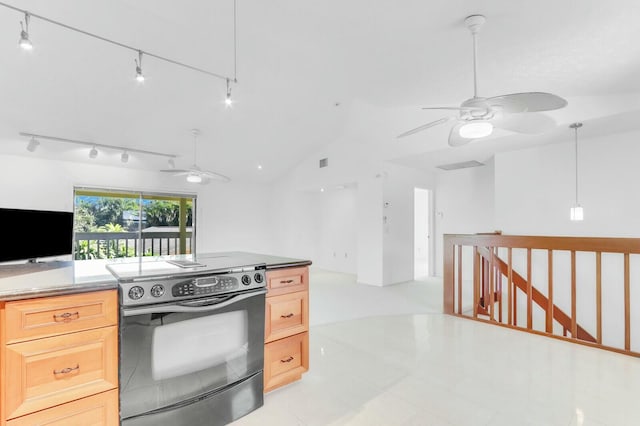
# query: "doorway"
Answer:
x=421 y=233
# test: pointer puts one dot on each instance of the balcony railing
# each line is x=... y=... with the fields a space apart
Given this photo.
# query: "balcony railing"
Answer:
x=578 y=289
x=98 y=245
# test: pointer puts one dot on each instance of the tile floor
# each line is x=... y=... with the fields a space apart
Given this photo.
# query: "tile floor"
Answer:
x=388 y=356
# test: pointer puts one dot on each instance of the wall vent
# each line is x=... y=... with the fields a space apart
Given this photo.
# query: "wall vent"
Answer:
x=324 y=162
x=462 y=165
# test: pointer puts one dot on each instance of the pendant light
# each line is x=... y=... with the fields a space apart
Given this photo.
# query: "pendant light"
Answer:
x=577 y=213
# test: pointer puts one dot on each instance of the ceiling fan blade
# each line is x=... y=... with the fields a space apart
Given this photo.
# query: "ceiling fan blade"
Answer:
x=460 y=108
x=214 y=176
x=527 y=102
x=424 y=127
x=176 y=171
x=530 y=124
x=454 y=136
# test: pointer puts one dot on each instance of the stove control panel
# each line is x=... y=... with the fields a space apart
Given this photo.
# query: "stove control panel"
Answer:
x=205 y=286
x=186 y=286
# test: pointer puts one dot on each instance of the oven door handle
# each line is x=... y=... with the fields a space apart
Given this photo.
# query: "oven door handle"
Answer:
x=205 y=305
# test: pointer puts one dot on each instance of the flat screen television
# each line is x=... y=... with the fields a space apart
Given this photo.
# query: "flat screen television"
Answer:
x=40 y=233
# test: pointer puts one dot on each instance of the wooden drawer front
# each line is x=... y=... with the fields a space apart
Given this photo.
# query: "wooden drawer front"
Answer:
x=285 y=360
x=49 y=316
x=281 y=281
x=96 y=410
x=286 y=315
x=47 y=372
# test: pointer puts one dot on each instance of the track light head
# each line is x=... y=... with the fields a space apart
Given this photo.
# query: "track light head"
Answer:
x=227 y=100
x=24 y=42
x=93 y=153
x=139 y=75
x=33 y=144
x=172 y=164
x=124 y=157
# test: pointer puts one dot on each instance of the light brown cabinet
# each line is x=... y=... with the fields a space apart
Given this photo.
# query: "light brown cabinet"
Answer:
x=60 y=360
x=286 y=352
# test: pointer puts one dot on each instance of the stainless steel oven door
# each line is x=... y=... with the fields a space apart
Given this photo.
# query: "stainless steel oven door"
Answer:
x=176 y=352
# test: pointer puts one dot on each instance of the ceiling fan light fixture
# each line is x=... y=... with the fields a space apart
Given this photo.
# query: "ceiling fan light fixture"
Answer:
x=476 y=129
x=194 y=178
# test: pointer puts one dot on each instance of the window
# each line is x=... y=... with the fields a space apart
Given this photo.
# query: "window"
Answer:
x=111 y=223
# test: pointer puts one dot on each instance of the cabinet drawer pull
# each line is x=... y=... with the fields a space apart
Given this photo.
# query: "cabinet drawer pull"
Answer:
x=286 y=316
x=67 y=370
x=286 y=282
x=286 y=360
x=66 y=317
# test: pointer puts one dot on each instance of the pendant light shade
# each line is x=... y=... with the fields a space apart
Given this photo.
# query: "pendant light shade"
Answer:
x=577 y=212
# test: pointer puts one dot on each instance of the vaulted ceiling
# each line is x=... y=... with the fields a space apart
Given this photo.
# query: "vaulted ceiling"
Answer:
x=304 y=68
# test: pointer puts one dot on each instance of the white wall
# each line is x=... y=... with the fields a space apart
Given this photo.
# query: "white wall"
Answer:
x=337 y=242
x=294 y=216
x=370 y=238
x=535 y=188
x=229 y=216
x=398 y=231
x=421 y=233
x=464 y=204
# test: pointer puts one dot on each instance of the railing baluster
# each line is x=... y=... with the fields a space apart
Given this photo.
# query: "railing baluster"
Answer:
x=627 y=304
x=510 y=286
x=499 y=290
x=529 y=292
x=574 y=322
x=549 y=324
x=492 y=285
x=476 y=281
x=599 y=297
x=448 y=280
x=460 y=279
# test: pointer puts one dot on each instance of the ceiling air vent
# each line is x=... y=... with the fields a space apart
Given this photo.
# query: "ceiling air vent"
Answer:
x=324 y=162
x=463 y=165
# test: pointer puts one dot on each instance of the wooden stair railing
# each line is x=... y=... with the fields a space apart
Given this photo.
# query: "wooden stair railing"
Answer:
x=597 y=278
x=538 y=298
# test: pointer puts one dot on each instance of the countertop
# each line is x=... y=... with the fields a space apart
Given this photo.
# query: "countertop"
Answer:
x=23 y=281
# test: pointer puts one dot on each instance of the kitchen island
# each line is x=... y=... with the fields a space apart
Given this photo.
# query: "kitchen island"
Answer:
x=23 y=281
x=65 y=317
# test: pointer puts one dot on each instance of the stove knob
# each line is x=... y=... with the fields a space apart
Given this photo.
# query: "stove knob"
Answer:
x=246 y=279
x=136 y=292
x=157 y=290
x=258 y=277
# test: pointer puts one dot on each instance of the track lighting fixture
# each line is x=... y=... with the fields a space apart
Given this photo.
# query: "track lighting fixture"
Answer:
x=33 y=144
x=228 y=101
x=172 y=164
x=139 y=75
x=93 y=153
x=24 y=42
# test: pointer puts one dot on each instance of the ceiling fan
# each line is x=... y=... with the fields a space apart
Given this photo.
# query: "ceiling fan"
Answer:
x=478 y=116
x=194 y=173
